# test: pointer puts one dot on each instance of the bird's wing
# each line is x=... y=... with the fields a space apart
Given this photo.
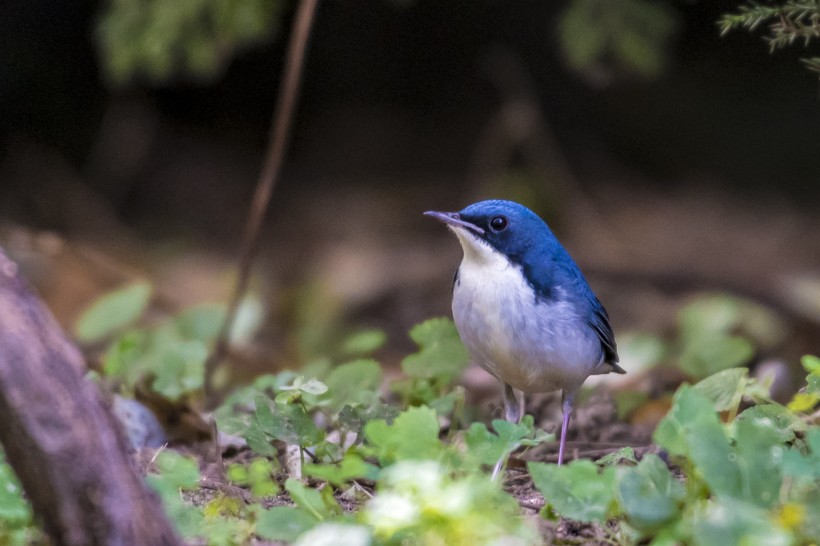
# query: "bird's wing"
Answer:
x=600 y=323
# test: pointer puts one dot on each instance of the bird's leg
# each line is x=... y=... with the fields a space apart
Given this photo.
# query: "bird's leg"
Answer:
x=513 y=411
x=513 y=406
x=566 y=410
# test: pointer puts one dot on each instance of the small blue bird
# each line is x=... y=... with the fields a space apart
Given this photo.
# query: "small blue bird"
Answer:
x=523 y=308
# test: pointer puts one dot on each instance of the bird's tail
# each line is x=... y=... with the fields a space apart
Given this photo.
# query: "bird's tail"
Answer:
x=609 y=367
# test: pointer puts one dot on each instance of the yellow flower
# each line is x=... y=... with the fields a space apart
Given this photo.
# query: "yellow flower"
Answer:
x=791 y=515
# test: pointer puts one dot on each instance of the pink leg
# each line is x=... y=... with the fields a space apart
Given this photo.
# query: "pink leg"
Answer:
x=566 y=410
x=513 y=410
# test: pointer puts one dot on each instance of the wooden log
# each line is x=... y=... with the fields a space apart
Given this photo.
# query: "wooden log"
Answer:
x=60 y=437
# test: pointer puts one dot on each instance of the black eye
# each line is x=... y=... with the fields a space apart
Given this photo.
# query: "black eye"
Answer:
x=498 y=223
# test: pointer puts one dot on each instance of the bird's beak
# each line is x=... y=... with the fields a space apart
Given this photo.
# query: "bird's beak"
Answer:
x=453 y=219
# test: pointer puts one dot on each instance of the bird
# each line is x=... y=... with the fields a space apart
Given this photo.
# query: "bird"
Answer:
x=524 y=310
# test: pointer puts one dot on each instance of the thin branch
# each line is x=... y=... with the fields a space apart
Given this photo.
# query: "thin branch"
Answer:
x=277 y=145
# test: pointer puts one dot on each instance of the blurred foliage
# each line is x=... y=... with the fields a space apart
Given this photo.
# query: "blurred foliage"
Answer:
x=742 y=469
x=601 y=37
x=192 y=39
x=718 y=331
x=197 y=39
x=224 y=520
x=169 y=356
x=809 y=396
x=17 y=527
x=749 y=481
x=421 y=502
x=714 y=332
x=785 y=24
x=112 y=312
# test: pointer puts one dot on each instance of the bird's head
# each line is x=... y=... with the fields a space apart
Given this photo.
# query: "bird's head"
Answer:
x=504 y=227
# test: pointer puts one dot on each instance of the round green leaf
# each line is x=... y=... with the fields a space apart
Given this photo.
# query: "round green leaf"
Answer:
x=113 y=312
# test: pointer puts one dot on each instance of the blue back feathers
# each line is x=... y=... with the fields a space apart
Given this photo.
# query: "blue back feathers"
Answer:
x=527 y=241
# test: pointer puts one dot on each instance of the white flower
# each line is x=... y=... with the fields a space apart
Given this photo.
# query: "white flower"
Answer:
x=335 y=534
x=452 y=501
x=390 y=511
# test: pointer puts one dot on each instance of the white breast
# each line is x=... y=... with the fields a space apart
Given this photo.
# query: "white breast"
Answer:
x=533 y=346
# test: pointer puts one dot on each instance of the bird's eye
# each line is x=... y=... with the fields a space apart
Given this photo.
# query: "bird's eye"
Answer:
x=498 y=223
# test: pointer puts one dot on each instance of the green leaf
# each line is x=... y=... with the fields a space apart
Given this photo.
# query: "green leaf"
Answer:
x=441 y=352
x=783 y=421
x=201 y=322
x=759 y=451
x=641 y=350
x=364 y=342
x=745 y=469
x=689 y=409
x=715 y=352
x=283 y=523
x=123 y=359
x=811 y=364
x=730 y=522
x=113 y=312
x=577 y=490
x=708 y=315
x=354 y=419
x=804 y=465
x=313 y=386
x=488 y=447
x=482 y=444
x=258 y=441
x=716 y=461
x=413 y=435
x=352 y=467
x=813 y=385
x=625 y=454
x=14 y=510
x=194 y=41
x=182 y=369
x=257 y=475
x=308 y=499
x=628 y=35
x=177 y=471
x=289 y=423
x=648 y=494
x=354 y=383
x=725 y=389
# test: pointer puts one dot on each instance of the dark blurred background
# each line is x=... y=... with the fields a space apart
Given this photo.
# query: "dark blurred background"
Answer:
x=680 y=162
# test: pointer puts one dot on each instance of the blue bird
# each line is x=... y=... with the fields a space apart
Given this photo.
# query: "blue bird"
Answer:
x=523 y=308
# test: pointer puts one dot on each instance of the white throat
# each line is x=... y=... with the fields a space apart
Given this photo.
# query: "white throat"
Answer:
x=532 y=345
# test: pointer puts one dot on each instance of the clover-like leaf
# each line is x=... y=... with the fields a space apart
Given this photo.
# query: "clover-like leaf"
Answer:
x=783 y=421
x=725 y=389
x=578 y=490
x=689 y=407
x=728 y=521
x=283 y=523
x=413 y=435
x=201 y=322
x=648 y=493
x=488 y=447
x=309 y=499
x=287 y=422
x=354 y=383
x=350 y=468
x=441 y=352
x=182 y=369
